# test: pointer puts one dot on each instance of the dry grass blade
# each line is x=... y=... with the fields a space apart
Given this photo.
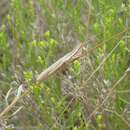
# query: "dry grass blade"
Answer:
x=10 y=106
x=107 y=97
x=68 y=58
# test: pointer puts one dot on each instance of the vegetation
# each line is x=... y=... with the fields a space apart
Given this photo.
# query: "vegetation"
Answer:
x=91 y=93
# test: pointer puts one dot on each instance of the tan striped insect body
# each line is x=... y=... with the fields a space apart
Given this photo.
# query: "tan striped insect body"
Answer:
x=71 y=56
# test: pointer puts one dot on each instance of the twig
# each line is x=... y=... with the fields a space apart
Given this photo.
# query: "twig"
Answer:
x=9 y=107
x=118 y=115
x=108 y=95
x=103 y=61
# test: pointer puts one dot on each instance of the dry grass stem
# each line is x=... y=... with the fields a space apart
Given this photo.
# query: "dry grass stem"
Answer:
x=107 y=97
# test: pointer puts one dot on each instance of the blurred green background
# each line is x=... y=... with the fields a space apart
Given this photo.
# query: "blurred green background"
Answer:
x=36 y=33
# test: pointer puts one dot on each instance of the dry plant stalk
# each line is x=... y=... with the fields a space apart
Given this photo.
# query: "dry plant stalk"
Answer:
x=61 y=63
x=12 y=104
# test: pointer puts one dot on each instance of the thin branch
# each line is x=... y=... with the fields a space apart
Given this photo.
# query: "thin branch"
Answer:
x=107 y=97
x=9 y=107
x=118 y=115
